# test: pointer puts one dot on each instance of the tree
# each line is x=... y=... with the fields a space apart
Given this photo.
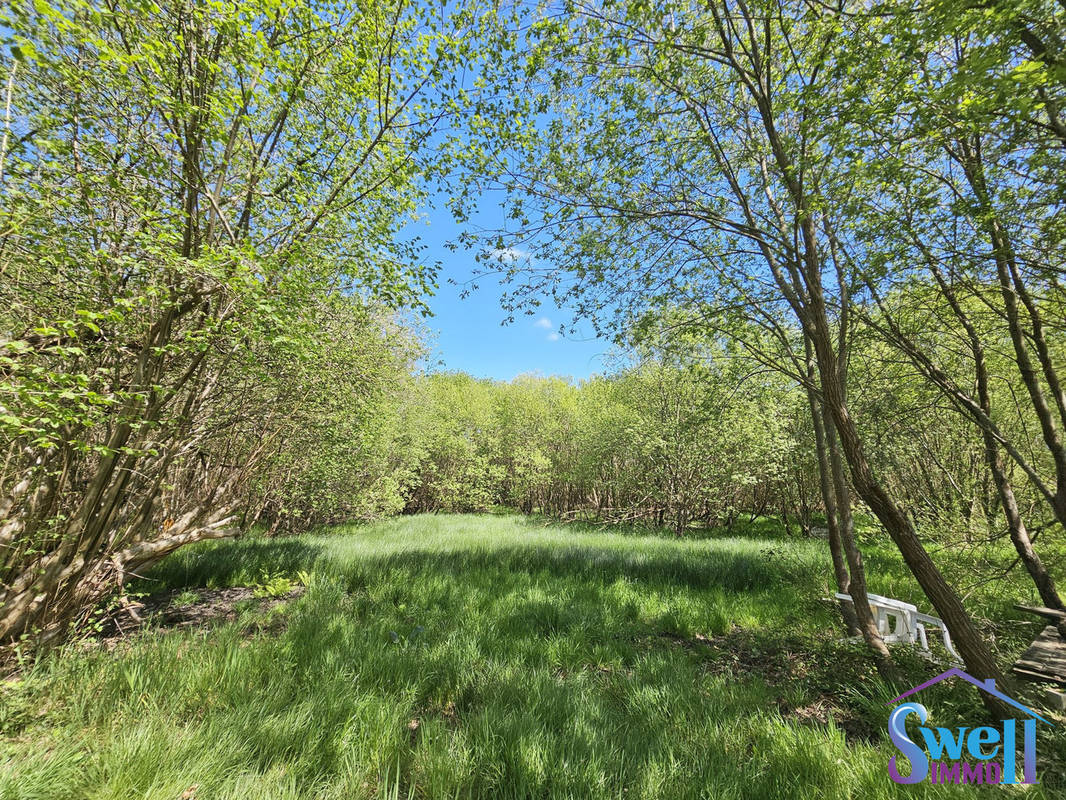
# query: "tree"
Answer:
x=685 y=158
x=185 y=190
x=969 y=148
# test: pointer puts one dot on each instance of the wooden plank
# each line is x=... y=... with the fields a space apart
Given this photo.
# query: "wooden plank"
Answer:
x=1052 y=614
x=1035 y=677
x=1045 y=659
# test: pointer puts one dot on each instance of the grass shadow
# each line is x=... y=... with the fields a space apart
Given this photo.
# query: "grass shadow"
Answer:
x=222 y=563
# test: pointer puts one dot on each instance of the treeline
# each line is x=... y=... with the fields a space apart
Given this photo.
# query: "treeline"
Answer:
x=691 y=435
x=656 y=443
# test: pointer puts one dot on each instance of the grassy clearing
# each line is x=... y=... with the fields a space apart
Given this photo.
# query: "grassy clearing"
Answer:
x=466 y=656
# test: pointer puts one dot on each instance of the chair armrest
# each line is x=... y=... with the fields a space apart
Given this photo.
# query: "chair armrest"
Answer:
x=928 y=620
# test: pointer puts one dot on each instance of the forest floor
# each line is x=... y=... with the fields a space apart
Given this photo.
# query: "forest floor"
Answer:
x=462 y=656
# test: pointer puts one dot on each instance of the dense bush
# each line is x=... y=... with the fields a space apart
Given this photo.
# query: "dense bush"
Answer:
x=667 y=443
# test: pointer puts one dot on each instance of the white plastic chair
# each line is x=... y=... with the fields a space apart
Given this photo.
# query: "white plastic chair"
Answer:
x=901 y=622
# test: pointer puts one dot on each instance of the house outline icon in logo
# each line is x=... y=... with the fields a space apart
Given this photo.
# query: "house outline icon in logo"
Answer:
x=985 y=771
x=988 y=686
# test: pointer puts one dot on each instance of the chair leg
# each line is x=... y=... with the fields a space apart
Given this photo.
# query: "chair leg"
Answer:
x=882 y=621
x=912 y=627
x=948 y=646
x=922 y=637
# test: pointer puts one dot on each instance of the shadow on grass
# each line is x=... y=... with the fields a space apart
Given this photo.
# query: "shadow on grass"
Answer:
x=689 y=569
x=544 y=669
x=230 y=562
x=245 y=561
x=761 y=527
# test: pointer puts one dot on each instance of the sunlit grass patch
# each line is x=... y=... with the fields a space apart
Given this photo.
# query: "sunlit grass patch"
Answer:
x=471 y=657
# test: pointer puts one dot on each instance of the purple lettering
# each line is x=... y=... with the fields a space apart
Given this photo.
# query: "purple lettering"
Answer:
x=1029 y=761
x=993 y=772
x=971 y=773
x=949 y=774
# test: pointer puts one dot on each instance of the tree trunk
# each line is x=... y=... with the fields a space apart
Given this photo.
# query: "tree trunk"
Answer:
x=1016 y=528
x=829 y=498
x=1019 y=535
x=975 y=653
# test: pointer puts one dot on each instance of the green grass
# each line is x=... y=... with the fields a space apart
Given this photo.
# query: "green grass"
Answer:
x=474 y=657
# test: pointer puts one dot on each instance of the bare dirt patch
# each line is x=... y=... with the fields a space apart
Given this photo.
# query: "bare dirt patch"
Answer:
x=787 y=663
x=189 y=608
x=825 y=708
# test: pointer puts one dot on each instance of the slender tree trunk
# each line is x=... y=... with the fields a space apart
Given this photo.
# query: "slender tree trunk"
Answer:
x=1019 y=534
x=1012 y=288
x=842 y=542
x=829 y=499
x=811 y=310
x=846 y=528
x=1016 y=528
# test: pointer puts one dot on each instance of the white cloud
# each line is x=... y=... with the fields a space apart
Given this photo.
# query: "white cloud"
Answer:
x=509 y=255
x=553 y=337
x=544 y=323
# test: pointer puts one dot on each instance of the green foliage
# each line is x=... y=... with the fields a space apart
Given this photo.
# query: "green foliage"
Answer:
x=667 y=440
x=202 y=262
x=273 y=585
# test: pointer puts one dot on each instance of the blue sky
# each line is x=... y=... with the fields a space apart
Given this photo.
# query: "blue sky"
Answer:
x=468 y=332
